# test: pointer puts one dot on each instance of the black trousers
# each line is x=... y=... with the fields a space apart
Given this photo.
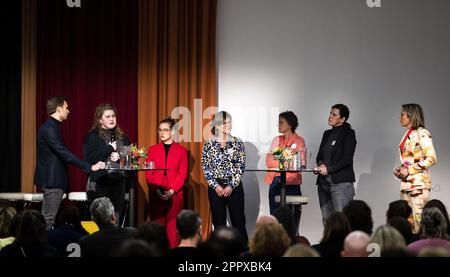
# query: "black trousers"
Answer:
x=113 y=187
x=235 y=205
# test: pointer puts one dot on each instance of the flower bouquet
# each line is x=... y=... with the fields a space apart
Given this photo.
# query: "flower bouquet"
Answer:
x=136 y=154
x=283 y=155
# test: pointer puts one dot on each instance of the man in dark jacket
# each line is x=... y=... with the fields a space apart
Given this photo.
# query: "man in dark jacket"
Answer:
x=335 y=163
x=51 y=173
x=108 y=240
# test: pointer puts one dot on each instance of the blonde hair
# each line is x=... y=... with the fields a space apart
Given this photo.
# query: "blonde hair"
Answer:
x=269 y=240
x=388 y=238
x=415 y=112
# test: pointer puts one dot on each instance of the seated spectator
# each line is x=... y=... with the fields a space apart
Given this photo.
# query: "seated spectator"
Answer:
x=302 y=240
x=109 y=238
x=355 y=244
x=137 y=248
x=438 y=204
x=336 y=230
x=155 y=235
x=433 y=231
x=224 y=242
x=359 y=216
x=399 y=208
x=269 y=240
x=7 y=214
x=31 y=238
x=404 y=227
x=434 y=252
x=264 y=219
x=189 y=228
x=390 y=241
x=301 y=250
x=68 y=228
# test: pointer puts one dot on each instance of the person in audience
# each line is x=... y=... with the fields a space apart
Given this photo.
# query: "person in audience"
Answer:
x=355 y=244
x=434 y=252
x=359 y=216
x=223 y=162
x=389 y=241
x=224 y=242
x=102 y=143
x=399 y=208
x=336 y=230
x=155 y=235
x=335 y=163
x=417 y=155
x=68 y=228
x=438 y=204
x=289 y=138
x=31 y=238
x=189 y=226
x=165 y=187
x=109 y=238
x=433 y=231
x=7 y=214
x=404 y=227
x=52 y=157
x=137 y=248
x=264 y=219
x=269 y=240
x=301 y=250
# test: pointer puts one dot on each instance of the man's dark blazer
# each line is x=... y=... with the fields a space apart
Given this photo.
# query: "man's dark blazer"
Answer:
x=52 y=157
x=341 y=165
x=106 y=242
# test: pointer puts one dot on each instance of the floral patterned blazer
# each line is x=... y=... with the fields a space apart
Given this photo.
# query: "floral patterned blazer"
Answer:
x=417 y=156
x=227 y=163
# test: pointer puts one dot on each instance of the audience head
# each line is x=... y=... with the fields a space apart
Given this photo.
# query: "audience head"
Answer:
x=388 y=239
x=402 y=225
x=155 y=235
x=32 y=228
x=265 y=219
x=224 y=242
x=138 y=248
x=301 y=250
x=336 y=228
x=102 y=211
x=438 y=204
x=433 y=224
x=269 y=240
x=6 y=216
x=359 y=216
x=398 y=208
x=355 y=245
x=189 y=225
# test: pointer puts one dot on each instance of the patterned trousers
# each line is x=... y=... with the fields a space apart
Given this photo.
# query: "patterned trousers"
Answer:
x=416 y=199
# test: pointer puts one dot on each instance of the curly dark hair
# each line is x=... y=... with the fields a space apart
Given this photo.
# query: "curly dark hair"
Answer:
x=359 y=216
x=291 y=119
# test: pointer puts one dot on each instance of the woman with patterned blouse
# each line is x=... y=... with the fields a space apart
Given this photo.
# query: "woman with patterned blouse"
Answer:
x=417 y=155
x=223 y=162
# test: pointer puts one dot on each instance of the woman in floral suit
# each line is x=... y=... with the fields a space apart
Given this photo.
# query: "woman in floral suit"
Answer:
x=417 y=155
x=223 y=162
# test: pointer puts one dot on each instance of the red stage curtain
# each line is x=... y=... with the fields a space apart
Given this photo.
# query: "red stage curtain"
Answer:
x=89 y=55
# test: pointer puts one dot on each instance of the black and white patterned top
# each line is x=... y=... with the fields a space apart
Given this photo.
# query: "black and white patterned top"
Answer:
x=223 y=163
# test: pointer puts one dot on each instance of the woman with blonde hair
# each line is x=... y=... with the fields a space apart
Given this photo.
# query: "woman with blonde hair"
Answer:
x=417 y=154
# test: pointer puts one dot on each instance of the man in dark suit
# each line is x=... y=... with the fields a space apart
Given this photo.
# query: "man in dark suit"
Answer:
x=335 y=163
x=108 y=240
x=51 y=173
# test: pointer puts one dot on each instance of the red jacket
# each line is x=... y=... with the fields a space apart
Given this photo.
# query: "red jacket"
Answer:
x=177 y=165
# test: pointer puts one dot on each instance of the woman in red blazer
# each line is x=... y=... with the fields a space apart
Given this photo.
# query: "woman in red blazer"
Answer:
x=166 y=186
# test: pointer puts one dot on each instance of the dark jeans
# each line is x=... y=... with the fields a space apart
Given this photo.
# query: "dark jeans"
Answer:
x=50 y=204
x=275 y=189
x=334 y=197
x=235 y=205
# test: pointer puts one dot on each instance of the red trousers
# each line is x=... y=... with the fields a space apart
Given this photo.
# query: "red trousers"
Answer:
x=165 y=212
